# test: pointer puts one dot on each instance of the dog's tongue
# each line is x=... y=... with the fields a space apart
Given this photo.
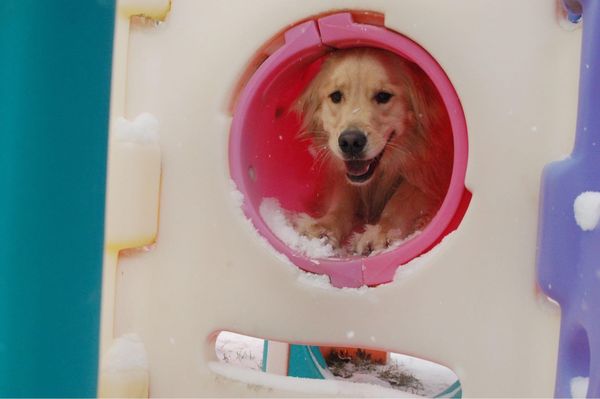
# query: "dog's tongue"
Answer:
x=357 y=168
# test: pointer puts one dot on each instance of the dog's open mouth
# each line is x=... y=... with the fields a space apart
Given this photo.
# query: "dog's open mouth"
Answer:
x=360 y=170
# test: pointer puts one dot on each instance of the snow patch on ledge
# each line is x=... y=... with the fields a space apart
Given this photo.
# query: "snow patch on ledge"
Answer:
x=579 y=387
x=315 y=280
x=305 y=385
x=587 y=210
x=321 y=281
x=142 y=130
x=126 y=353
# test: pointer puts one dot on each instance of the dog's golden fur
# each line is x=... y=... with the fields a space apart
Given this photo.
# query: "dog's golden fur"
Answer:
x=406 y=135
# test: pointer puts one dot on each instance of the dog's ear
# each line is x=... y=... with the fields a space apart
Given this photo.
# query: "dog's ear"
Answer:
x=307 y=106
x=422 y=98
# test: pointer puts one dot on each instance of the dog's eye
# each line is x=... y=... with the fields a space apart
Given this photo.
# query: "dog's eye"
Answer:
x=336 y=96
x=383 y=97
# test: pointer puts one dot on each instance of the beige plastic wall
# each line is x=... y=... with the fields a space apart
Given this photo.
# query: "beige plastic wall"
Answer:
x=470 y=304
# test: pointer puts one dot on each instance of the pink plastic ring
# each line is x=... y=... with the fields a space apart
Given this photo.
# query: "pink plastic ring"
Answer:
x=304 y=44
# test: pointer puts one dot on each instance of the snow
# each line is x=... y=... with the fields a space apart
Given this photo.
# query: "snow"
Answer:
x=126 y=353
x=321 y=281
x=587 y=210
x=236 y=200
x=403 y=272
x=579 y=387
x=236 y=196
x=430 y=379
x=143 y=129
x=434 y=377
x=240 y=359
x=239 y=350
x=310 y=279
x=372 y=374
x=367 y=378
x=280 y=225
x=304 y=385
x=315 y=280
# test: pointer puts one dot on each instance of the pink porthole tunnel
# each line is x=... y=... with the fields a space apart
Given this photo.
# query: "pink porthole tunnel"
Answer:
x=265 y=161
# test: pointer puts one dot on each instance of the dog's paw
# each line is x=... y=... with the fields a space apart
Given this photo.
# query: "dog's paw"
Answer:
x=373 y=239
x=315 y=228
x=422 y=221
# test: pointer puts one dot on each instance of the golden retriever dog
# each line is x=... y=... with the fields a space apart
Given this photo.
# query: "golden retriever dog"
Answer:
x=379 y=128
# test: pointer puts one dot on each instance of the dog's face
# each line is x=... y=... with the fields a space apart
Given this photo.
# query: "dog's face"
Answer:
x=357 y=109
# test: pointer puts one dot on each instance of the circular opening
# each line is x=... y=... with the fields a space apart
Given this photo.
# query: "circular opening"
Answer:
x=269 y=160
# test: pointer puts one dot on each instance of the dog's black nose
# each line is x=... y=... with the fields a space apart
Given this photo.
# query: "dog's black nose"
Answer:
x=352 y=142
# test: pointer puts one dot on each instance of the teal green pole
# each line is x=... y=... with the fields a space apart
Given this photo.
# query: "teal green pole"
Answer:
x=55 y=64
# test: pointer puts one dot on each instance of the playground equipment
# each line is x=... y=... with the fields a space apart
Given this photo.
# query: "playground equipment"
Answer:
x=187 y=254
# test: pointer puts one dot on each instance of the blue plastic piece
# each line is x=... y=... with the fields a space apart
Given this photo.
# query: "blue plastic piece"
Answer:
x=573 y=17
x=574 y=10
x=55 y=64
x=454 y=391
x=306 y=362
x=568 y=257
x=263 y=366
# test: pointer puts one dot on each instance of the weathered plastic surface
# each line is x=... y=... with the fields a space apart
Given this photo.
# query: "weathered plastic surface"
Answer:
x=469 y=304
x=568 y=257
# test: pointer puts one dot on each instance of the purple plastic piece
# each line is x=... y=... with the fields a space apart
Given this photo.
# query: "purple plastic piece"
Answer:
x=568 y=257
